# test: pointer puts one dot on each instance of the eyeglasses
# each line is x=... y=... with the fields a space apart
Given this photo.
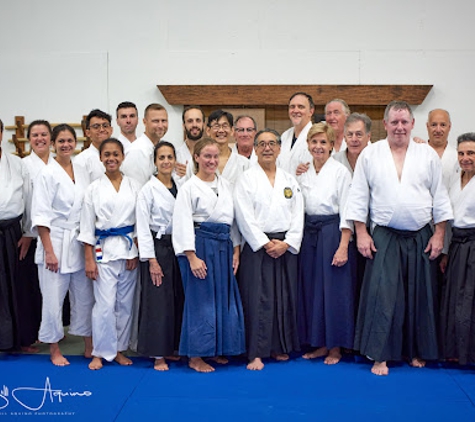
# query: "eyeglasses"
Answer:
x=97 y=126
x=217 y=126
x=263 y=144
x=245 y=129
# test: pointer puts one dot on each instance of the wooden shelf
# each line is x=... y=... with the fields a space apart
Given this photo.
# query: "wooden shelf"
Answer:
x=268 y=95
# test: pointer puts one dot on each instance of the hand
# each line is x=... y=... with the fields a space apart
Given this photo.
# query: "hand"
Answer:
x=443 y=263
x=418 y=140
x=156 y=273
x=236 y=253
x=51 y=262
x=341 y=257
x=198 y=267
x=180 y=169
x=24 y=244
x=434 y=246
x=366 y=245
x=302 y=168
x=276 y=248
x=91 y=269
x=131 y=264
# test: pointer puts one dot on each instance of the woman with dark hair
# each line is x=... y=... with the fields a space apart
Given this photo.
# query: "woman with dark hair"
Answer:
x=29 y=294
x=161 y=304
x=207 y=245
x=107 y=232
x=57 y=200
x=458 y=292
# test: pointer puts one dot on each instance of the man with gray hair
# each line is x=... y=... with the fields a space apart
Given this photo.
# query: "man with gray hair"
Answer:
x=358 y=136
x=336 y=112
x=398 y=184
x=245 y=128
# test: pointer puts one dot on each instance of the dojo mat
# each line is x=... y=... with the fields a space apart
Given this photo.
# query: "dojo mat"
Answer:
x=298 y=390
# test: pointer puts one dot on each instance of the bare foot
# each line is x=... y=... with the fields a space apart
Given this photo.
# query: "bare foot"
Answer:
x=122 y=360
x=318 y=353
x=95 y=364
x=418 y=363
x=255 y=365
x=380 y=368
x=281 y=357
x=220 y=359
x=199 y=365
x=88 y=347
x=30 y=349
x=173 y=358
x=56 y=356
x=160 y=365
x=333 y=357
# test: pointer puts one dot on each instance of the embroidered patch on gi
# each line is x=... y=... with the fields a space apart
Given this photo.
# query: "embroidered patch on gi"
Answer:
x=288 y=193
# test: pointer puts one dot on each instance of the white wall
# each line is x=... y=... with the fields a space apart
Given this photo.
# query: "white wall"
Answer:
x=59 y=59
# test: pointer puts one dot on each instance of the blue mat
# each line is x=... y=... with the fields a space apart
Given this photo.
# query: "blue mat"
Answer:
x=297 y=390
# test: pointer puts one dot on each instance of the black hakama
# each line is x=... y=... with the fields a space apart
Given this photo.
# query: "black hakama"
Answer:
x=326 y=314
x=10 y=234
x=458 y=299
x=161 y=307
x=269 y=295
x=213 y=323
x=398 y=306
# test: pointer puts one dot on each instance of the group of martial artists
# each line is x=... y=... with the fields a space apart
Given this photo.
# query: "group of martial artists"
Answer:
x=317 y=240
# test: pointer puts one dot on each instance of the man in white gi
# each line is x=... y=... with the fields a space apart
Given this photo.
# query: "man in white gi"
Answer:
x=336 y=112
x=245 y=128
x=138 y=162
x=14 y=245
x=127 y=119
x=357 y=137
x=193 y=124
x=98 y=129
x=269 y=211
x=293 y=150
x=398 y=183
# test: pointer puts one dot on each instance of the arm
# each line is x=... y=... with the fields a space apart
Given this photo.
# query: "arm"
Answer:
x=91 y=266
x=197 y=265
x=436 y=242
x=341 y=255
x=51 y=262
x=236 y=254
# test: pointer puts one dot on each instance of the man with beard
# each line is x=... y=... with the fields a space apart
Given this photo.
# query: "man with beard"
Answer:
x=127 y=120
x=336 y=112
x=193 y=124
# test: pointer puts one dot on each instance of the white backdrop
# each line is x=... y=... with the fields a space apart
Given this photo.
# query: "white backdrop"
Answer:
x=59 y=58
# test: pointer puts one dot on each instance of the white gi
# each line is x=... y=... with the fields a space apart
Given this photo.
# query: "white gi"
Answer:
x=450 y=164
x=34 y=165
x=406 y=204
x=125 y=142
x=138 y=163
x=235 y=166
x=289 y=158
x=342 y=158
x=15 y=189
x=57 y=202
x=196 y=202
x=154 y=212
x=343 y=148
x=462 y=201
x=104 y=208
x=252 y=159
x=90 y=159
x=183 y=154
x=262 y=208
x=326 y=193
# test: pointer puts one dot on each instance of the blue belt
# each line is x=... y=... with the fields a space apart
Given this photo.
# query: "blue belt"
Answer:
x=116 y=231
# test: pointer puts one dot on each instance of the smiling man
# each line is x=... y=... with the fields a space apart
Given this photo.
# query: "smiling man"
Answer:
x=398 y=183
x=138 y=162
x=294 y=149
x=98 y=129
x=245 y=128
x=269 y=213
x=336 y=112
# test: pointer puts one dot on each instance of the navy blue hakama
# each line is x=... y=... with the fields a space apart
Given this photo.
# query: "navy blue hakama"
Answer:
x=326 y=313
x=213 y=322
